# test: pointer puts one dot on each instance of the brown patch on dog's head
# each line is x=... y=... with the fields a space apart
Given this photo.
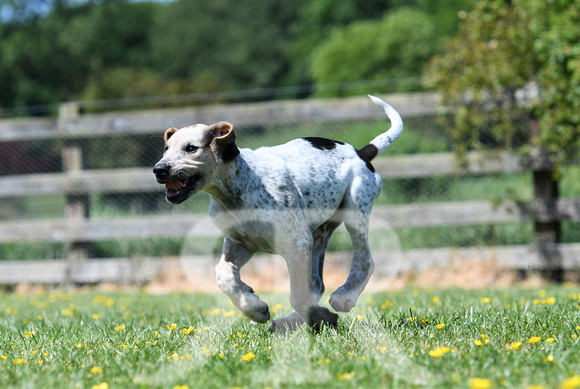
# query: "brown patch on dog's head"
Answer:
x=223 y=145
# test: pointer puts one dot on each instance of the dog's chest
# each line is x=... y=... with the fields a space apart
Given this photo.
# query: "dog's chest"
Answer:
x=250 y=229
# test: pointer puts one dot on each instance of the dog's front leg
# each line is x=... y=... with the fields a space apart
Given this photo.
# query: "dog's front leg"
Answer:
x=235 y=256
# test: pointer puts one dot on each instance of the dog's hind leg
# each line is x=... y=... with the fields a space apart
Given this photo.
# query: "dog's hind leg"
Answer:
x=356 y=221
x=303 y=297
x=228 y=279
x=321 y=237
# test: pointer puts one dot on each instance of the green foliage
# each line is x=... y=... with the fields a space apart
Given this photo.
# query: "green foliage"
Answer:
x=393 y=47
x=557 y=46
x=504 y=48
x=69 y=50
x=239 y=44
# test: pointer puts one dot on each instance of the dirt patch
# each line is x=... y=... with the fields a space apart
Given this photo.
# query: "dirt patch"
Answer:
x=269 y=273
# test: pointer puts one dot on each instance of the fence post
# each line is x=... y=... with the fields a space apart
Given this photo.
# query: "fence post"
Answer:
x=548 y=233
x=77 y=206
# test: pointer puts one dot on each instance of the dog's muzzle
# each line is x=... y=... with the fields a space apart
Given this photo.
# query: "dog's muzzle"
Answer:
x=177 y=188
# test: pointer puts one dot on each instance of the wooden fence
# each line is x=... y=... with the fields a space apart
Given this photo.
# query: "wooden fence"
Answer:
x=76 y=228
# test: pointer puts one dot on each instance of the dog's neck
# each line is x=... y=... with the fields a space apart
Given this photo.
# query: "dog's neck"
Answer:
x=231 y=181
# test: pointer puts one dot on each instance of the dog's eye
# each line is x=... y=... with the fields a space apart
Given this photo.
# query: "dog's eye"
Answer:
x=190 y=148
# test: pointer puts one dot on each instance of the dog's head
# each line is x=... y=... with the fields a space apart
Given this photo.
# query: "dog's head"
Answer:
x=192 y=157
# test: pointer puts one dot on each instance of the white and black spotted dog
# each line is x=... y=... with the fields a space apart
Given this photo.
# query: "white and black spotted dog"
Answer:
x=287 y=200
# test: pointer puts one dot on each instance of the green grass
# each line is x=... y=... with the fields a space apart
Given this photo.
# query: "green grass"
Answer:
x=412 y=338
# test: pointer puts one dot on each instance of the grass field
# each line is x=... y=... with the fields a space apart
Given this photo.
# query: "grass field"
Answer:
x=509 y=338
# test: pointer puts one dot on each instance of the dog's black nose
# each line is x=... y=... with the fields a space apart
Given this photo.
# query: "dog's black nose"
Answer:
x=161 y=169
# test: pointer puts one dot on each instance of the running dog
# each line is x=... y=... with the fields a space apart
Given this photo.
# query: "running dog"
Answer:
x=286 y=200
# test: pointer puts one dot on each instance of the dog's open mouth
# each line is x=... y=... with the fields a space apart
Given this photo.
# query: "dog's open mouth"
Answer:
x=180 y=190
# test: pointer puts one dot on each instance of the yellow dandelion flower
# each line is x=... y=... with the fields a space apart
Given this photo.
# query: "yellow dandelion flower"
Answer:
x=360 y=317
x=40 y=362
x=102 y=385
x=439 y=351
x=96 y=316
x=550 y=340
x=276 y=307
x=534 y=339
x=67 y=312
x=19 y=361
x=573 y=336
x=3 y=357
x=346 y=376
x=120 y=328
x=435 y=300
x=171 y=326
x=550 y=300
x=248 y=357
x=535 y=387
x=96 y=370
x=481 y=342
x=229 y=313
x=485 y=300
x=387 y=304
x=29 y=334
x=181 y=387
x=549 y=358
x=571 y=383
x=515 y=345
x=187 y=330
x=480 y=383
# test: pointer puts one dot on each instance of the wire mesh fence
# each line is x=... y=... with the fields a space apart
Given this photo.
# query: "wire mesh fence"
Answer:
x=36 y=174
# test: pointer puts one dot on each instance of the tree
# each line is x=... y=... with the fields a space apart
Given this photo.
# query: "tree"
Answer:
x=394 y=47
x=224 y=44
x=502 y=50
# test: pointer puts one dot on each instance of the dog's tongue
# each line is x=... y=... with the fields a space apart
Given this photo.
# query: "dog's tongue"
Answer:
x=175 y=185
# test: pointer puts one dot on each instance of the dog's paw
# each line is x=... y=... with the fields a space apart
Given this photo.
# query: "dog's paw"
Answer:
x=287 y=323
x=319 y=316
x=342 y=301
x=255 y=309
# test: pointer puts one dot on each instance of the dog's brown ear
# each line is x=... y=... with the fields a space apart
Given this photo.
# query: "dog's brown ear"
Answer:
x=223 y=145
x=169 y=132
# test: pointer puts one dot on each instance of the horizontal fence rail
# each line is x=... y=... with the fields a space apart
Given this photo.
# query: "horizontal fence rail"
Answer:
x=143 y=180
x=200 y=225
x=72 y=125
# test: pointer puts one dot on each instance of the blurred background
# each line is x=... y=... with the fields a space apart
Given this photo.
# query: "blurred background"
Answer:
x=483 y=186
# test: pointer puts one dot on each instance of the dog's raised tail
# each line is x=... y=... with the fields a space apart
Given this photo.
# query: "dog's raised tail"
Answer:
x=383 y=141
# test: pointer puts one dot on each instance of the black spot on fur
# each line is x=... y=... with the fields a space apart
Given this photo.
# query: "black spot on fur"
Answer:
x=323 y=143
x=367 y=154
